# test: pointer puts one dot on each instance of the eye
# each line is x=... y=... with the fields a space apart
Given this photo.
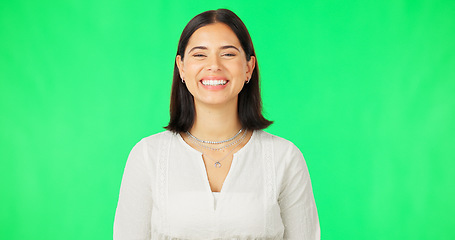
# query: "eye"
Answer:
x=229 y=54
x=198 y=55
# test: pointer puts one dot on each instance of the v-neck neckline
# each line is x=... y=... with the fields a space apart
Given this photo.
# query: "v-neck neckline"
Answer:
x=232 y=167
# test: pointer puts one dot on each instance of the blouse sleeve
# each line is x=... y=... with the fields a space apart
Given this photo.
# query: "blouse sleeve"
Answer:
x=134 y=208
x=298 y=208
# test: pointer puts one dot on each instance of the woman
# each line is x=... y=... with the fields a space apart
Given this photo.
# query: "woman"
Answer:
x=215 y=174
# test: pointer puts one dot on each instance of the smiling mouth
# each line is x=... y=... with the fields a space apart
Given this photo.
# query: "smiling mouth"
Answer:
x=213 y=82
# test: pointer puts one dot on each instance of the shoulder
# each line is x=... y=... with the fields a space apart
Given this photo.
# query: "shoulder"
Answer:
x=158 y=137
x=287 y=156
x=154 y=142
x=279 y=144
x=148 y=149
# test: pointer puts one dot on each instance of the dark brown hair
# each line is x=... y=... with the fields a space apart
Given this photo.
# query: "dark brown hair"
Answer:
x=182 y=109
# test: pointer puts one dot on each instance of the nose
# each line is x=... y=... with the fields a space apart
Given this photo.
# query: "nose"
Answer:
x=213 y=64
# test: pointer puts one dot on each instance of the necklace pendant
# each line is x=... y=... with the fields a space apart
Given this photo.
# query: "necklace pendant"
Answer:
x=217 y=164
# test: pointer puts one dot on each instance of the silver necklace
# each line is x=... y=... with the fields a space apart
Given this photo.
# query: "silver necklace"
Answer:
x=214 y=142
x=223 y=147
x=217 y=163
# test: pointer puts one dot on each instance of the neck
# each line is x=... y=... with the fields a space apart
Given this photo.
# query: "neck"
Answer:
x=215 y=122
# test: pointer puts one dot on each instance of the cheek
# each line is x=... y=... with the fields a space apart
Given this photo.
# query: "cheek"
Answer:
x=238 y=68
x=192 y=68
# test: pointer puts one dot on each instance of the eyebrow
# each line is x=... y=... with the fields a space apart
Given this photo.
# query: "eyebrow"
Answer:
x=222 y=47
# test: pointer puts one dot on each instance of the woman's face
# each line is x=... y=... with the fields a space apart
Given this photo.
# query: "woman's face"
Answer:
x=214 y=67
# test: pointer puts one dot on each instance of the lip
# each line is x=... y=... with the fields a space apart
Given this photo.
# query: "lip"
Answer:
x=217 y=87
x=214 y=78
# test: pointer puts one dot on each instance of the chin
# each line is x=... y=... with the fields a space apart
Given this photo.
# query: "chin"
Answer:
x=215 y=101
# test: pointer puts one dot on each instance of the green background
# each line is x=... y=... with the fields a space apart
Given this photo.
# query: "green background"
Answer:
x=364 y=88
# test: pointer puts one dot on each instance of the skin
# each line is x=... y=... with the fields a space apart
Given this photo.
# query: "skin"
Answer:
x=214 y=51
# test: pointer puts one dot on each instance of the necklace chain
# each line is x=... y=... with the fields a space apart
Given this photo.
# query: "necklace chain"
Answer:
x=214 y=142
x=223 y=147
x=217 y=163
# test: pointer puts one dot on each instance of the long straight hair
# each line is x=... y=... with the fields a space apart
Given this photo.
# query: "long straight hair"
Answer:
x=182 y=111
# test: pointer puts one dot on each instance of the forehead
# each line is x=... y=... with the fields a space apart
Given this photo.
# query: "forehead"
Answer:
x=213 y=35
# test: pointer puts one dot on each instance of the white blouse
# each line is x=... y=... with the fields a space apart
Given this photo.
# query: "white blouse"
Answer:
x=165 y=193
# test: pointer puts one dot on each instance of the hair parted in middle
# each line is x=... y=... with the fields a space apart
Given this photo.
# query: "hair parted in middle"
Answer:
x=182 y=110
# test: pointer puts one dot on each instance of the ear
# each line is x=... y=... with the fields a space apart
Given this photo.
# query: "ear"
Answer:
x=179 y=62
x=250 y=65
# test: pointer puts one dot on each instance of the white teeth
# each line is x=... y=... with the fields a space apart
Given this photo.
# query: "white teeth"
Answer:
x=213 y=82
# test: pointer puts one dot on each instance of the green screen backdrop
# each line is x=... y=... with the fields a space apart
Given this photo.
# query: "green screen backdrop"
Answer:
x=364 y=88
